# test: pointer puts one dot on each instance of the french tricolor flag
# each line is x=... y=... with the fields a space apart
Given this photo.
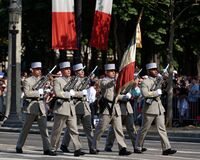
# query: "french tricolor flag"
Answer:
x=127 y=67
x=101 y=24
x=63 y=25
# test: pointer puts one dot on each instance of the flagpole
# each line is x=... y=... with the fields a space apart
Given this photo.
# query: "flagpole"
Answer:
x=78 y=13
x=140 y=16
x=139 y=19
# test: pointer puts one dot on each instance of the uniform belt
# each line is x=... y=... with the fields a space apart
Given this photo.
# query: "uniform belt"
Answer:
x=63 y=99
x=108 y=100
x=79 y=99
x=34 y=98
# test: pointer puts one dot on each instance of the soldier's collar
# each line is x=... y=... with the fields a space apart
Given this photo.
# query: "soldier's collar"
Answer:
x=153 y=78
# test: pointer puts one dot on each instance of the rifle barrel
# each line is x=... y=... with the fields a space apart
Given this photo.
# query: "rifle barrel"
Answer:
x=52 y=69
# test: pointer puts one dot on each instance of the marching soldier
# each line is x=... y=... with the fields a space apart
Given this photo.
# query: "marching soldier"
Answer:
x=109 y=111
x=127 y=120
x=153 y=110
x=64 y=111
x=34 y=110
x=83 y=111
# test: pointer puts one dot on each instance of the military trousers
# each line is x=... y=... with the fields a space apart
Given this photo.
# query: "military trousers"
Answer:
x=160 y=125
x=87 y=127
x=128 y=122
x=103 y=124
x=71 y=123
x=42 y=124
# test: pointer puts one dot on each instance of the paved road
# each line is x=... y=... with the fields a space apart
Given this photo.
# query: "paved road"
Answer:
x=33 y=150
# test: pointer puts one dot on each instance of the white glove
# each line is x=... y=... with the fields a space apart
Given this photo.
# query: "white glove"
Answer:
x=41 y=91
x=48 y=90
x=159 y=91
x=67 y=95
x=72 y=92
x=159 y=75
x=84 y=92
x=128 y=95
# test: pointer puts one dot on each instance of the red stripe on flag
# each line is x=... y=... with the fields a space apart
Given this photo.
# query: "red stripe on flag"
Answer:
x=63 y=31
x=100 y=31
x=126 y=75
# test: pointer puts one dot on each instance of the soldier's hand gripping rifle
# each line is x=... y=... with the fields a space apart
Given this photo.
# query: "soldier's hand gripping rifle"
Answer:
x=157 y=84
x=84 y=83
x=43 y=80
x=70 y=85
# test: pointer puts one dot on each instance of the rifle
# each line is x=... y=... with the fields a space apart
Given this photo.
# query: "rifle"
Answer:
x=43 y=80
x=157 y=85
x=84 y=83
x=137 y=74
x=70 y=85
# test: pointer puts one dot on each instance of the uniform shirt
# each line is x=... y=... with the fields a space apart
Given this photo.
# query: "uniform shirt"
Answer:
x=107 y=86
x=156 y=107
x=67 y=107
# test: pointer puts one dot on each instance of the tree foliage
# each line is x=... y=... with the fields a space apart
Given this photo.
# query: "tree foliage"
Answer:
x=36 y=30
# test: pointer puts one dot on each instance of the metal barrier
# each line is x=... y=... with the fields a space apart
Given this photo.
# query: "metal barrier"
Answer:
x=184 y=116
x=189 y=116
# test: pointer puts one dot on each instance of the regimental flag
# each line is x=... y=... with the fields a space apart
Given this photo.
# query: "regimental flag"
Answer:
x=139 y=37
x=101 y=24
x=127 y=67
x=63 y=25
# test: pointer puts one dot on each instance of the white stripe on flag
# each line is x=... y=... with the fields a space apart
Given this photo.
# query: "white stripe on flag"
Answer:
x=62 y=5
x=130 y=55
x=104 y=6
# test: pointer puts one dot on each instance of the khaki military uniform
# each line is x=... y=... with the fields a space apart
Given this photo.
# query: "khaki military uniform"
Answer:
x=154 y=111
x=64 y=113
x=127 y=120
x=34 y=110
x=107 y=86
x=83 y=113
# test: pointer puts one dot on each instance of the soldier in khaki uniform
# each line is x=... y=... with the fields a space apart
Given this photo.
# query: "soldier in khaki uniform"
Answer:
x=83 y=111
x=127 y=120
x=35 y=109
x=110 y=111
x=153 y=110
x=64 y=111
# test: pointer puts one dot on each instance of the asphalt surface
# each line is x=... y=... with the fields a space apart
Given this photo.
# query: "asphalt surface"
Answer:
x=182 y=134
x=33 y=150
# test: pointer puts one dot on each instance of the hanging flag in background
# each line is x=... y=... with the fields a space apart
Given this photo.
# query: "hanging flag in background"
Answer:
x=63 y=25
x=101 y=24
x=127 y=67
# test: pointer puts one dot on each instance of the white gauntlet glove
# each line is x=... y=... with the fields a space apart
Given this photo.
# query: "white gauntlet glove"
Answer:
x=41 y=91
x=128 y=95
x=48 y=90
x=67 y=94
x=72 y=92
x=159 y=92
x=84 y=92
